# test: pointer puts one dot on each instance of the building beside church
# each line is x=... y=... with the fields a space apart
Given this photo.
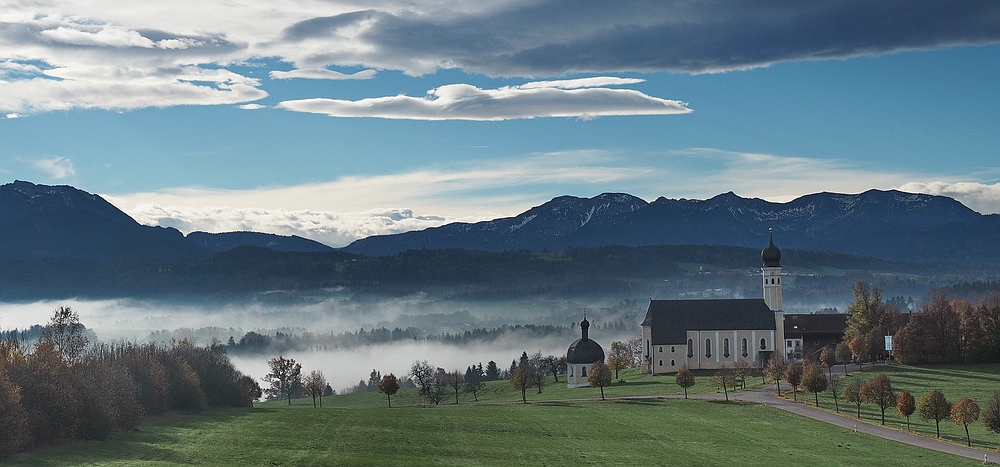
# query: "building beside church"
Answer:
x=580 y=357
x=707 y=334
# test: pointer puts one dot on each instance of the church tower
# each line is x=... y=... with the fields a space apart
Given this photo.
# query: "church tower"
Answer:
x=771 y=272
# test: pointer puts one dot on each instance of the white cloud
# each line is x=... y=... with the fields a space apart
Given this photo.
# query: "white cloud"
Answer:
x=253 y=106
x=321 y=73
x=56 y=167
x=570 y=98
x=13 y=115
x=981 y=197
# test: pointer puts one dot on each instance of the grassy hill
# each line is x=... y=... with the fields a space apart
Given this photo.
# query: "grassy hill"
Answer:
x=359 y=429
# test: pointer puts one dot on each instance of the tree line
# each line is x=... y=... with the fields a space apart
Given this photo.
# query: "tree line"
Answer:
x=61 y=388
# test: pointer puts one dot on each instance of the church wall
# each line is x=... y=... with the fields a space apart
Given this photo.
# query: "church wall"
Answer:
x=668 y=358
x=576 y=375
x=699 y=357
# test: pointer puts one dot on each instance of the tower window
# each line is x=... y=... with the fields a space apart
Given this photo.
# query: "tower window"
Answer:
x=708 y=347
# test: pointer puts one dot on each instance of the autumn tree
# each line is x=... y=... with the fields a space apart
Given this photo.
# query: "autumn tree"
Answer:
x=991 y=414
x=521 y=380
x=684 y=379
x=931 y=336
x=249 y=390
x=13 y=422
x=813 y=379
x=879 y=391
x=775 y=369
x=388 y=386
x=314 y=384
x=964 y=412
x=793 y=374
x=65 y=332
x=828 y=358
x=619 y=357
x=600 y=376
x=285 y=378
x=869 y=319
x=934 y=406
x=906 y=405
x=843 y=353
x=852 y=393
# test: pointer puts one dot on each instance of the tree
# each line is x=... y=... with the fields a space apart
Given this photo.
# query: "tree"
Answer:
x=619 y=357
x=775 y=369
x=492 y=371
x=879 y=391
x=600 y=376
x=455 y=381
x=554 y=365
x=724 y=377
x=852 y=393
x=65 y=332
x=438 y=385
x=793 y=374
x=373 y=379
x=869 y=319
x=843 y=353
x=475 y=385
x=834 y=386
x=742 y=369
x=538 y=371
x=521 y=379
x=828 y=358
x=684 y=379
x=388 y=386
x=285 y=378
x=906 y=405
x=934 y=406
x=813 y=379
x=249 y=390
x=314 y=383
x=931 y=336
x=13 y=422
x=991 y=414
x=964 y=412
x=422 y=373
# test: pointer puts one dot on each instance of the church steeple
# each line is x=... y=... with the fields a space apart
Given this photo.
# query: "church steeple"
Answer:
x=771 y=273
x=585 y=326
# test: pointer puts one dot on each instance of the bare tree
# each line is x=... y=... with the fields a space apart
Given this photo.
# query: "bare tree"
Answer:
x=537 y=370
x=724 y=377
x=852 y=393
x=742 y=369
x=422 y=373
x=834 y=386
x=65 y=332
x=475 y=385
x=554 y=365
x=455 y=381
x=388 y=386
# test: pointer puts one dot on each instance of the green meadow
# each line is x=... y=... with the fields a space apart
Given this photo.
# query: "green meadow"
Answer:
x=359 y=429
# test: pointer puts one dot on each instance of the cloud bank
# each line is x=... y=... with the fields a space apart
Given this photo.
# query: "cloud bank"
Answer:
x=582 y=98
x=981 y=197
x=66 y=54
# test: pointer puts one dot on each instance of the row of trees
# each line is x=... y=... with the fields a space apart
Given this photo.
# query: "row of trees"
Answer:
x=941 y=331
x=61 y=388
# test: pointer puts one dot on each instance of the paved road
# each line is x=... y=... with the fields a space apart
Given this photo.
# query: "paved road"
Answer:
x=764 y=396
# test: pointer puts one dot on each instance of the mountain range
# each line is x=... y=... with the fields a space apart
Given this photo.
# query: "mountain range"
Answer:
x=882 y=224
x=55 y=222
x=61 y=222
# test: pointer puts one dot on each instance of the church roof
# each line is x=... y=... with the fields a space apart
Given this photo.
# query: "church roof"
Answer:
x=832 y=323
x=670 y=320
x=584 y=351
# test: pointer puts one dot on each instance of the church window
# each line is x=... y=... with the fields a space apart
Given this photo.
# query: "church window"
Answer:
x=725 y=347
x=661 y=349
x=673 y=363
x=708 y=347
x=744 y=348
x=661 y=362
x=571 y=370
x=763 y=344
x=690 y=348
x=647 y=347
x=673 y=349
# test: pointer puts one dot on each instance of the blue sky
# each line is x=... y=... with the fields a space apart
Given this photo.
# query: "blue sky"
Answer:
x=336 y=120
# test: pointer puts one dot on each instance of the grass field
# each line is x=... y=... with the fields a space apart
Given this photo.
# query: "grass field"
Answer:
x=358 y=429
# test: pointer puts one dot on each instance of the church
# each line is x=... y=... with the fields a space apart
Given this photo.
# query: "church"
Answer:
x=707 y=334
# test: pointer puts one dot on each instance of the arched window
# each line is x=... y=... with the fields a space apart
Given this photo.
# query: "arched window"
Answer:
x=647 y=348
x=583 y=371
x=725 y=347
x=743 y=347
x=673 y=363
x=661 y=362
x=661 y=349
x=690 y=348
x=708 y=347
x=571 y=370
x=673 y=349
x=763 y=344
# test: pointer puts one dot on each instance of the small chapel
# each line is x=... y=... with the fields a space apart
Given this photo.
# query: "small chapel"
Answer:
x=707 y=334
x=580 y=357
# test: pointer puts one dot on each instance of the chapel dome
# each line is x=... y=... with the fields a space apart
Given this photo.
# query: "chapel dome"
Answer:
x=771 y=256
x=584 y=350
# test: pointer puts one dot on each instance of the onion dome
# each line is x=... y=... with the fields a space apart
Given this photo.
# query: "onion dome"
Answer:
x=771 y=256
x=584 y=350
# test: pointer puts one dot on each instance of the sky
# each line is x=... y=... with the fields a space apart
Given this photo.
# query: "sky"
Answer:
x=335 y=120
